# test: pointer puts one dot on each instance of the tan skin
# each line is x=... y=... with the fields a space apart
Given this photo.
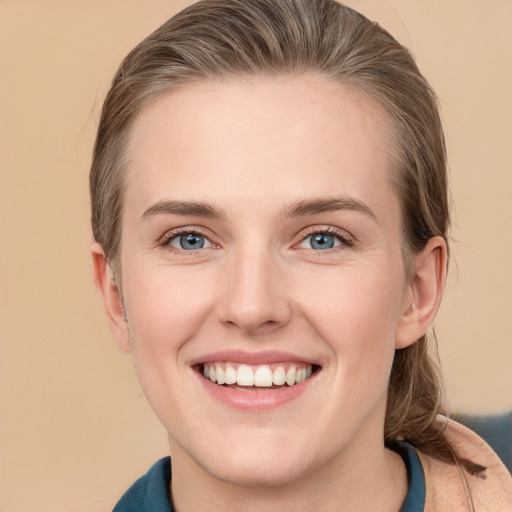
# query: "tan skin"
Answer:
x=298 y=250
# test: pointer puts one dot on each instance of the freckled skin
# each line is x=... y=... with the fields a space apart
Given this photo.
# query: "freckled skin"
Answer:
x=250 y=149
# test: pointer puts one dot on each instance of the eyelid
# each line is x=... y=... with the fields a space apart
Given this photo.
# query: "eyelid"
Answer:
x=346 y=238
x=183 y=230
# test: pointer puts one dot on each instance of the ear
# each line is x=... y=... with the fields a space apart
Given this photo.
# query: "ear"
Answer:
x=112 y=302
x=424 y=293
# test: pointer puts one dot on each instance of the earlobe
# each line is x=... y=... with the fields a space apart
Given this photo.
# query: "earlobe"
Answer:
x=112 y=302
x=424 y=294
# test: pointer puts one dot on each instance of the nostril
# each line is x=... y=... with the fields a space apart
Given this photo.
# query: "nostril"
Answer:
x=254 y=326
x=251 y=300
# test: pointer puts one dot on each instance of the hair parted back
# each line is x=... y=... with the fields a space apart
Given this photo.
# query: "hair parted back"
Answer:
x=229 y=38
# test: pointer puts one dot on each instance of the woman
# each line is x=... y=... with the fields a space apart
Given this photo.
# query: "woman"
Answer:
x=270 y=213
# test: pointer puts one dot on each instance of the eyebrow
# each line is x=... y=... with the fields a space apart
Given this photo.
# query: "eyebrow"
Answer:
x=296 y=209
x=196 y=209
x=329 y=204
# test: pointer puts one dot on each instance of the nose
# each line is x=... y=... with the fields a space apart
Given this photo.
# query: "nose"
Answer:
x=255 y=298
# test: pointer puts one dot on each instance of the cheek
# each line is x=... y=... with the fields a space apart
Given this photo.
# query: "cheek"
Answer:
x=354 y=302
x=356 y=311
x=165 y=307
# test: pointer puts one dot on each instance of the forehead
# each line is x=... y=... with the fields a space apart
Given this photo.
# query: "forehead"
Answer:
x=300 y=132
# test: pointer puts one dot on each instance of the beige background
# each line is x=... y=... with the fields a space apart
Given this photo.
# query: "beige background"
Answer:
x=75 y=429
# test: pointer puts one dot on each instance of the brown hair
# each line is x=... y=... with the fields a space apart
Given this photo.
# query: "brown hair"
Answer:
x=216 y=38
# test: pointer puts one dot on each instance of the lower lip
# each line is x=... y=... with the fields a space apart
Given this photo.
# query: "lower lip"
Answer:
x=256 y=399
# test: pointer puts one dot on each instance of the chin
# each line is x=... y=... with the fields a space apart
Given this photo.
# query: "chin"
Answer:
x=259 y=462
x=258 y=474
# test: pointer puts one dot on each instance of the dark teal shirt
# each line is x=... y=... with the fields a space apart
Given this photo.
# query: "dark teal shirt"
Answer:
x=415 y=499
x=150 y=492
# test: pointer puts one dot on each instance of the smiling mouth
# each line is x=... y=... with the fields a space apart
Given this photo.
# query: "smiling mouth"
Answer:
x=269 y=376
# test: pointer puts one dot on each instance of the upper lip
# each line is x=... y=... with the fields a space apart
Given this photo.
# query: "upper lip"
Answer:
x=253 y=358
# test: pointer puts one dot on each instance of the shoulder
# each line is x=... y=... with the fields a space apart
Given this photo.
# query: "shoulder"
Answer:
x=480 y=475
x=150 y=492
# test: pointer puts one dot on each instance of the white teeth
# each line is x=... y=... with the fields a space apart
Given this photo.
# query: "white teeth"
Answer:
x=279 y=376
x=230 y=375
x=221 y=379
x=300 y=375
x=263 y=377
x=244 y=376
x=260 y=376
x=290 y=376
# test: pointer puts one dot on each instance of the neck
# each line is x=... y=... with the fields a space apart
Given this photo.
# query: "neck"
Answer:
x=365 y=478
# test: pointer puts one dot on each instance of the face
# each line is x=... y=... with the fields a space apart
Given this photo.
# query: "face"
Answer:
x=262 y=275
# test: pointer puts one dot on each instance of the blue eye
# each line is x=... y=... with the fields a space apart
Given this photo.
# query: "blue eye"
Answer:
x=189 y=241
x=323 y=241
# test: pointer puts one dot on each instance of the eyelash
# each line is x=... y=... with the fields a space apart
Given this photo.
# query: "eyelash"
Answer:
x=175 y=233
x=345 y=239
